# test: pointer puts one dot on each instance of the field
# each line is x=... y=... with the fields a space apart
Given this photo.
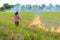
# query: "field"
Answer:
x=51 y=18
x=10 y=32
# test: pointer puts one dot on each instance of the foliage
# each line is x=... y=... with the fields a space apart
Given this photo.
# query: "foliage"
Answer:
x=6 y=6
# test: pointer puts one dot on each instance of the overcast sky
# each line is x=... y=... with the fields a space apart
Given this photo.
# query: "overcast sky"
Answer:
x=32 y=2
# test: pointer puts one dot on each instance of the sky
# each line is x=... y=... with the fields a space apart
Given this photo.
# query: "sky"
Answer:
x=32 y=2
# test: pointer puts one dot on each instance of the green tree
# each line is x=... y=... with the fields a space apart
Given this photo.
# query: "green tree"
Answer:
x=6 y=6
x=43 y=6
x=1 y=9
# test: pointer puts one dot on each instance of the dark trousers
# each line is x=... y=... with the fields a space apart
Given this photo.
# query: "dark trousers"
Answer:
x=17 y=23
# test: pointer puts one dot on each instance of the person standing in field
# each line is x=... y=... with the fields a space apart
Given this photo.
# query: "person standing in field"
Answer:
x=17 y=19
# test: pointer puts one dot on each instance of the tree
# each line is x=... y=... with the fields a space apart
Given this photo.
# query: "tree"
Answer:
x=11 y=6
x=29 y=7
x=1 y=9
x=35 y=7
x=22 y=8
x=43 y=6
x=57 y=6
x=6 y=6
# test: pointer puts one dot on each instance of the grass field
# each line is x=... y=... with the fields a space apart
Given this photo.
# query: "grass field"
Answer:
x=10 y=32
x=51 y=18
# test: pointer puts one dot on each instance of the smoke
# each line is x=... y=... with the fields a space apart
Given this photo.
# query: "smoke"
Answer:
x=37 y=14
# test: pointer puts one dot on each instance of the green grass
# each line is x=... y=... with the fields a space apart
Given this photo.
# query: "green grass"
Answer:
x=51 y=18
x=28 y=33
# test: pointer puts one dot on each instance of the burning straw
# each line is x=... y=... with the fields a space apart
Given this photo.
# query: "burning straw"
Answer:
x=37 y=22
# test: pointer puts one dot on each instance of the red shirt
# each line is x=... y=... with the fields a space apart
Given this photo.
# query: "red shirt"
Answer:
x=16 y=18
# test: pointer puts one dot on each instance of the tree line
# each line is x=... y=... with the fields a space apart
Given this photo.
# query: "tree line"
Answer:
x=29 y=6
x=6 y=6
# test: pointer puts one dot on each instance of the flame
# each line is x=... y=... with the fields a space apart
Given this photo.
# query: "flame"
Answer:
x=52 y=29
x=57 y=30
x=37 y=22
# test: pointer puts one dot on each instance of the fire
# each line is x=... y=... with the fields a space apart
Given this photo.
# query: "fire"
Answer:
x=52 y=29
x=37 y=22
x=57 y=30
